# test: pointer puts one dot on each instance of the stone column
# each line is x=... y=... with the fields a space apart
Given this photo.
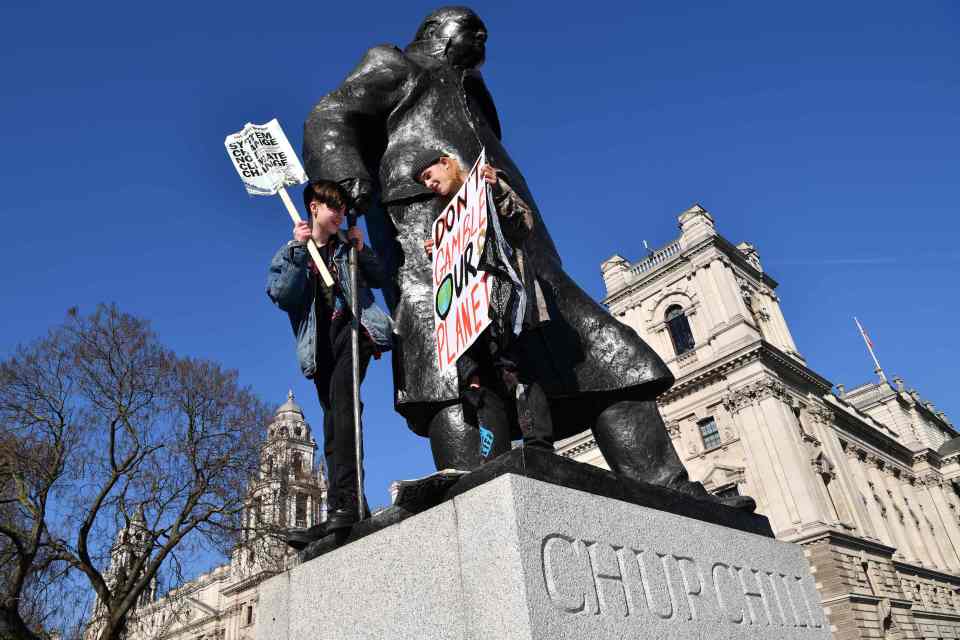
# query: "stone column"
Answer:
x=778 y=318
x=765 y=486
x=852 y=476
x=926 y=537
x=939 y=537
x=821 y=426
x=881 y=472
x=706 y=292
x=713 y=275
x=774 y=452
x=730 y=289
x=873 y=484
x=858 y=463
x=814 y=501
x=944 y=515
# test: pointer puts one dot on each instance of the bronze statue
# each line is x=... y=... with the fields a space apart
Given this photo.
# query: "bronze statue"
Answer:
x=367 y=135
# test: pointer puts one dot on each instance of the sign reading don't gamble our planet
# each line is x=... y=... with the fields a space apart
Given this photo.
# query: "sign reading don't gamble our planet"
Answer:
x=461 y=292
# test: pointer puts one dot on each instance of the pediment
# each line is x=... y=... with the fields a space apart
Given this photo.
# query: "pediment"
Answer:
x=722 y=474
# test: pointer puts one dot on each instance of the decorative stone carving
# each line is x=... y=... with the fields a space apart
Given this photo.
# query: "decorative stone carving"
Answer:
x=823 y=466
x=932 y=479
x=736 y=399
x=821 y=414
x=673 y=428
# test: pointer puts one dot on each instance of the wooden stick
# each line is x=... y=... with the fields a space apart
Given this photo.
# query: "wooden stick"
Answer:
x=311 y=245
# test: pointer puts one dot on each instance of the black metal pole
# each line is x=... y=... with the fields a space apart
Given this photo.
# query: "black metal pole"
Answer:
x=355 y=365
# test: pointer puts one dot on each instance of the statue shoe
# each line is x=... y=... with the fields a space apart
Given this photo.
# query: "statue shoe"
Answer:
x=696 y=489
x=341 y=518
x=742 y=503
x=300 y=538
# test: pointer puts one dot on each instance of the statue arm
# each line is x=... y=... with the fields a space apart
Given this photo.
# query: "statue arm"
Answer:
x=346 y=132
x=371 y=267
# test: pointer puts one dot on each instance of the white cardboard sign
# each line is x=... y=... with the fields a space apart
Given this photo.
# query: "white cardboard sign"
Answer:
x=263 y=157
x=461 y=292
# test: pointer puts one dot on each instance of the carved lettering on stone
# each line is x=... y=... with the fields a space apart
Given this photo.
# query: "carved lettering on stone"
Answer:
x=595 y=578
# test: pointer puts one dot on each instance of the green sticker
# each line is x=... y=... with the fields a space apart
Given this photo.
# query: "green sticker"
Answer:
x=445 y=296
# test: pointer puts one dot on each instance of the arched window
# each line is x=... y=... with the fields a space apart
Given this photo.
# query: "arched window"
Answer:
x=679 y=328
x=297 y=463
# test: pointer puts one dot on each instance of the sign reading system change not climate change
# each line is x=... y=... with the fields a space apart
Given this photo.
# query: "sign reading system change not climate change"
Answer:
x=264 y=158
x=461 y=293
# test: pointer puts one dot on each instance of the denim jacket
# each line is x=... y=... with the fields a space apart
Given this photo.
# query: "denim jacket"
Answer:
x=292 y=287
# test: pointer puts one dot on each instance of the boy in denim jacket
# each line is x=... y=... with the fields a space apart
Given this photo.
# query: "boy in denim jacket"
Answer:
x=321 y=319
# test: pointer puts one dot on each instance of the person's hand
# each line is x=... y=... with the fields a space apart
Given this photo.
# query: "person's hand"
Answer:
x=489 y=175
x=355 y=235
x=428 y=247
x=301 y=231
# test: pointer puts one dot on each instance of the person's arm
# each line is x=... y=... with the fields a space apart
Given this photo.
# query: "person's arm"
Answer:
x=516 y=217
x=288 y=280
x=346 y=131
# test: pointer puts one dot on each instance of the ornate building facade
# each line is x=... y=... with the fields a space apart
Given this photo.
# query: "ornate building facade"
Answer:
x=221 y=604
x=865 y=480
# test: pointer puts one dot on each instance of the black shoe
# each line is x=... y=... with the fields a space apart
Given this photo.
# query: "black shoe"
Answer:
x=341 y=518
x=539 y=444
x=300 y=538
x=741 y=503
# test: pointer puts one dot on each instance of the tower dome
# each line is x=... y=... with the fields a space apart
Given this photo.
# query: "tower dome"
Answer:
x=289 y=407
x=288 y=421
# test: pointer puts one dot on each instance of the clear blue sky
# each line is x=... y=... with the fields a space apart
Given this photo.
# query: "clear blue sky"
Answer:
x=824 y=133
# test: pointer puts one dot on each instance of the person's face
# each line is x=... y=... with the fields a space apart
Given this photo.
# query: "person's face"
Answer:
x=442 y=177
x=326 y=221
x=467 y=36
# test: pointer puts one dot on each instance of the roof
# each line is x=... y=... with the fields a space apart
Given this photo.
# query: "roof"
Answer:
x=290 y=406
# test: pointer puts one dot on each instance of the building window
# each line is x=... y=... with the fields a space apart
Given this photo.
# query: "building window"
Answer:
x=709 y=433
x=297 y=463
x=679 y=328
x=249 y=617
x=270 y=465
x=301 y=510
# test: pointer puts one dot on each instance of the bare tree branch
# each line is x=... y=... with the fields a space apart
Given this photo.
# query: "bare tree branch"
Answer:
x=159 y=449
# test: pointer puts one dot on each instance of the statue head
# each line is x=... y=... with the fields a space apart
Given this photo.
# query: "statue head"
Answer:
x=454 y=34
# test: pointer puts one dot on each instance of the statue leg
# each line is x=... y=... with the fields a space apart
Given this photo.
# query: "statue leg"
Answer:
x=634 y=441
x=455 y=439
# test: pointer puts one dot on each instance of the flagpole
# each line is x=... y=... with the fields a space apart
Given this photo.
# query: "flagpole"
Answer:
x=863 y=334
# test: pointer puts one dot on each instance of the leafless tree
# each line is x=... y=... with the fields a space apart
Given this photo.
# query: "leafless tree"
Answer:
x=102 y=429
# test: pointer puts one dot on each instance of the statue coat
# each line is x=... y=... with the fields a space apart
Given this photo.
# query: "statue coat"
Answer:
x=367 y=134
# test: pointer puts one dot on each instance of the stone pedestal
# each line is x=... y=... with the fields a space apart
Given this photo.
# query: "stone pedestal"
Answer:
x=517 y=558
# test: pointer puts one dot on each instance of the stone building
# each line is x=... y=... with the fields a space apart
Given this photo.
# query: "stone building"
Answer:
x=865 y=479
x=221 y=604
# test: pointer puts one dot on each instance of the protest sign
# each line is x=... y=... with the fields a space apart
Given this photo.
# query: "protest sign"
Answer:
x=267 y=163
x=264 y=158
x=461 y=292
